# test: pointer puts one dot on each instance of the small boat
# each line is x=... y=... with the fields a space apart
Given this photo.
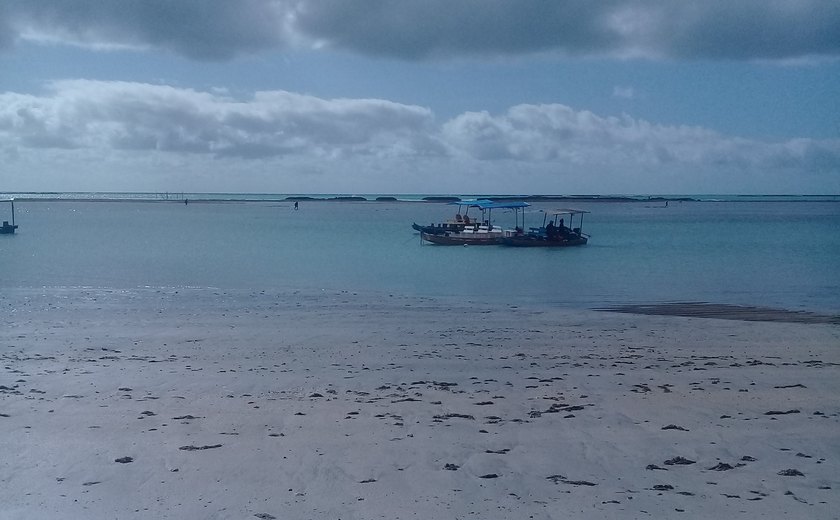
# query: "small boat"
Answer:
x=456 y=224
x=554 y=232
x=6 y=228
x=483 y=232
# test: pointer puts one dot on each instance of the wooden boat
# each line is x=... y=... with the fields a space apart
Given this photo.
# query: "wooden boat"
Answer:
x=554 y=232
x=439 y=229
x=6 y=228
x=483 y=233
x=456 y=224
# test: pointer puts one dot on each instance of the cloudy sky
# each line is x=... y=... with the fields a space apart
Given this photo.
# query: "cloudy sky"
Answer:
x=431 y=96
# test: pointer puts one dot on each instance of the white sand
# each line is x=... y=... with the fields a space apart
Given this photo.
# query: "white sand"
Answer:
x=330 y=406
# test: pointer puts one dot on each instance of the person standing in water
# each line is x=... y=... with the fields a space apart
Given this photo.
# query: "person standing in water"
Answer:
x=296 y=205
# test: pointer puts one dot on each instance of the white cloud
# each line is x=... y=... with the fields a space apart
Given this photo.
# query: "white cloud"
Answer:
x=137 y=127
x=136 y=116
x=559 y=134
x=221 y=29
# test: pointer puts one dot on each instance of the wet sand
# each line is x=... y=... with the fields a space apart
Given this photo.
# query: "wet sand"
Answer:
x=207 y=404
x=726 y=312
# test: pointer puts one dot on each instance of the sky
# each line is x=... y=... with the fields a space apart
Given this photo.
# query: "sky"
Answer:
x=431 y=96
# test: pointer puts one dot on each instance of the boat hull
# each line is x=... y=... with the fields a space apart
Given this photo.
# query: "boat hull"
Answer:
x=438 y=229
x=531 y=241
x=463 y=239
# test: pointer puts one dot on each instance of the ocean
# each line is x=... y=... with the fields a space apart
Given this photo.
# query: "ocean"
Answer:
x=764 y=251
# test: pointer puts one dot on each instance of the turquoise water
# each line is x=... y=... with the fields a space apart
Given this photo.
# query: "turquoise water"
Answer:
x=781 y=253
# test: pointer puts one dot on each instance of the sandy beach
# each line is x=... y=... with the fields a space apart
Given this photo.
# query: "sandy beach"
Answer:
x=205 y=404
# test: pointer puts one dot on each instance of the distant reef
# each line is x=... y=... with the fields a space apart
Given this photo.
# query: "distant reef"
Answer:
x=442 y=199
x=598 y=198
x=156 y=197
x=499 y=198
x=553 y=198
x=341 y=198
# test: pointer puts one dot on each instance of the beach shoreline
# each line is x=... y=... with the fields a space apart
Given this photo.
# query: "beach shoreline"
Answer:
x=187 y=403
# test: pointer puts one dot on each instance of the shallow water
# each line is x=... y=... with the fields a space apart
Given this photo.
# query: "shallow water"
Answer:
x=755 y=252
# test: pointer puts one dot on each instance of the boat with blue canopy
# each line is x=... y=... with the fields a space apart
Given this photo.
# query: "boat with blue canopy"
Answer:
x=558 y=230
x=483 y=231
x=457 y=223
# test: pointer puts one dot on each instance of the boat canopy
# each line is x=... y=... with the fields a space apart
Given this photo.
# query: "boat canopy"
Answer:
x=473 y=203
x=566 y=211
x=505 y=205
x=489 y=204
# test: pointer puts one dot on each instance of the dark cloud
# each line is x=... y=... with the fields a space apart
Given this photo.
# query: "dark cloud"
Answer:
x=440 y=29
x=743 y=29
x=752 y=29
x=209 y=30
